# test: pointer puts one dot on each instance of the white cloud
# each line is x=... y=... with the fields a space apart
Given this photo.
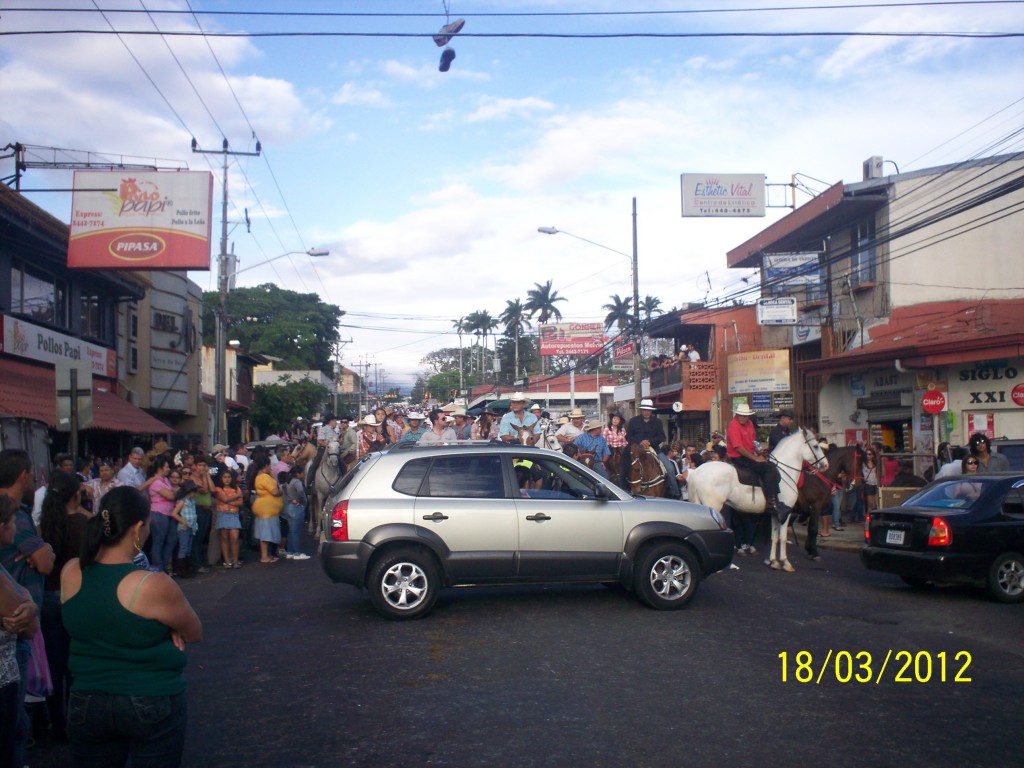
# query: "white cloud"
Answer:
x=491 y=108
x=363 y=95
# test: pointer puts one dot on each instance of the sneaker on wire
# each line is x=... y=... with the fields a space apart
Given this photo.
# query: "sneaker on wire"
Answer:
x=447 y=56
x=442 y=38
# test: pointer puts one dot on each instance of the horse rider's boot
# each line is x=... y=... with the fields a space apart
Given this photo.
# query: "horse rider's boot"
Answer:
x=771 y=504
x=782 y=511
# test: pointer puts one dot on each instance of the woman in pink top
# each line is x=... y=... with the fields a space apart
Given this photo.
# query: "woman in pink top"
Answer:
x=161 y=504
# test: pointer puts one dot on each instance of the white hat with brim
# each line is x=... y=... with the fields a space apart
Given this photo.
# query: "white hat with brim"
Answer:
x=218 y=448
x=743 y=410
x=647 y=405
x=368 y=421
x=577 y=413
x=593 y=424
x=459 y=411
x=414 y=416
x=535 y=407
x=517 y=397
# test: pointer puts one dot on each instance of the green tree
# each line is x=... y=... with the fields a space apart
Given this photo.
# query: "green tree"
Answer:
x=443 y=386
x=541 y=301
x=620 y=314
x=275 y=405
x=650 y=307
x=514 y=320
x=296 y=327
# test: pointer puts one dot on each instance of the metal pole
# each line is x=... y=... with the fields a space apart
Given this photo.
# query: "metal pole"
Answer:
x=637 y=389
x=221 y=341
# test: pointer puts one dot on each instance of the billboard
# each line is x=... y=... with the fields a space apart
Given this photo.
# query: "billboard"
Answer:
x=764 y=371
x=572 y=339
x=791 y=269
x=723 y=194
x=38 y=343
x=147 y=220
x=622 y=357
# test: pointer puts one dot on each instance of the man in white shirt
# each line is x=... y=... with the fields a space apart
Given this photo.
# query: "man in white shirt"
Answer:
x=131 y=473
x=567 y=433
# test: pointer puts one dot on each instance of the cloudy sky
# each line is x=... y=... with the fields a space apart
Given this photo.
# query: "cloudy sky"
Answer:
x=428 y=187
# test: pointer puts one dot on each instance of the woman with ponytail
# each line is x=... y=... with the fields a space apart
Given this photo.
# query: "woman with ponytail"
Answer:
x=128 y=629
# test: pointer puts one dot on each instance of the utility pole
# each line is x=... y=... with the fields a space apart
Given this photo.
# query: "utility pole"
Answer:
x=637 y=388
x=219 y=315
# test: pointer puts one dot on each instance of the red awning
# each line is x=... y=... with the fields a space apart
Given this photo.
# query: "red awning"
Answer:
x=31 y=392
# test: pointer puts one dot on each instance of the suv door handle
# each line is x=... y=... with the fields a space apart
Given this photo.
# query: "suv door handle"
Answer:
x=540 y=518
x=436 y=517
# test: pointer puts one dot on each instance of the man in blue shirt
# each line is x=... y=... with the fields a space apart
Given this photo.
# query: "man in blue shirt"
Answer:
x=518 y=425
x=592 y=441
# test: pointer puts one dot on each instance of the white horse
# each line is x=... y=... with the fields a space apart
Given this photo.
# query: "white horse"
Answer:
x=331 y=469
x=715 y=484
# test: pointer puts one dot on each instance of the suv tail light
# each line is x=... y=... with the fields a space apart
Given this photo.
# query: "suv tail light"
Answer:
x=867 y=528
x=339 y=521
x=939 y=535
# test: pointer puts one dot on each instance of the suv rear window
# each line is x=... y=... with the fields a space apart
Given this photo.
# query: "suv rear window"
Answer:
x=474 y=477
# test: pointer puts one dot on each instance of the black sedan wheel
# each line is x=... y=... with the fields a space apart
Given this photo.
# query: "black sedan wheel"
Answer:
x=404 y=584
x=1006 y=578
x=667 y=576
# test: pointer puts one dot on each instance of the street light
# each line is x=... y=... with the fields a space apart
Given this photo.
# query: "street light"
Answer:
x=637 y=391
x=220 y=353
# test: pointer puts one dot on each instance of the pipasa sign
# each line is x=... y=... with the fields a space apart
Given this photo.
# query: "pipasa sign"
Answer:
x=149 y=220
x=572 y=338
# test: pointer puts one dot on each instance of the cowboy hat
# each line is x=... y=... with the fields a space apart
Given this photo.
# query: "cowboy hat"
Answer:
x=593 y=424
x=517 y=397
x=535 y=407
x=647 y=405
x=577 y=413
x=368 y=421
x=459 y=411
x=743 y=410
x=414 y=416
x=563 y=420
x=218 y=448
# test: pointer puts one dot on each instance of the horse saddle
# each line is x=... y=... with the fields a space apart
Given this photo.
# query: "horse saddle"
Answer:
x=746 y=477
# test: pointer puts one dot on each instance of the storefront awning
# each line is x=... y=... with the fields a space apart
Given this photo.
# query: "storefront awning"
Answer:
x=30 y=391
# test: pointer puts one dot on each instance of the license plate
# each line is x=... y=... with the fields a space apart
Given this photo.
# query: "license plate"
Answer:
x=894 y=537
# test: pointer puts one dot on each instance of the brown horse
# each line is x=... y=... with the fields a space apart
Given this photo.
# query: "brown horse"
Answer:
x=646 y=474
x=613 y=463
x=817 y=488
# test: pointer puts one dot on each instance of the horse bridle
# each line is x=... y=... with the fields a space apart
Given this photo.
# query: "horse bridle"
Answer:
x=647 y=484
x=807 y=465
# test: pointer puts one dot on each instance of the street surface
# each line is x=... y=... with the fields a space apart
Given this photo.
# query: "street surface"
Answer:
x=295 y=671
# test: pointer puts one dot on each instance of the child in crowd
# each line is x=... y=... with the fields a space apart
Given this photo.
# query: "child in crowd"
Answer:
x=294 y=484
x=188 y=523
x=229 y=522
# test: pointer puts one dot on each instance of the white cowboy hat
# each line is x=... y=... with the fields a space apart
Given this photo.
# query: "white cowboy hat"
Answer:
x=577 y=413
x=535 y=407
x=647 y=405
x=563 y=420
x=593 y=424
x=517 y=397
x=459 y=411
x=743 y=410
x=414 y=416
x=368 y=421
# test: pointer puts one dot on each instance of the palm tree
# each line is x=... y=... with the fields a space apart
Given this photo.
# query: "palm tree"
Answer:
x=487 y=324
x=540 y=301
x=515 y=322
x=460 y=328
x=619 y=314
x=650 y=306
x=472 y=325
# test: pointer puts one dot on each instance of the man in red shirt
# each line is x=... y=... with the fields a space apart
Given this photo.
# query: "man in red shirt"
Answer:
x=740 y=448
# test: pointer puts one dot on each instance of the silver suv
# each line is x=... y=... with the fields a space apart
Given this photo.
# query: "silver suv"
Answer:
x=408 y=521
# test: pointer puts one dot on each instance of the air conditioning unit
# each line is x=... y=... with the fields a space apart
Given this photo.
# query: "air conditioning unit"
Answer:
x=873 y=167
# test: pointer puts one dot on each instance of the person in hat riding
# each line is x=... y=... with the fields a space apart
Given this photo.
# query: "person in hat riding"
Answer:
x=463 y=424
x=416 y=428
x=519 y=425
x=567 y=433
x=326 y=433
x=644 y=430
x=741 y=450
x=591 y=441
x=784 y=428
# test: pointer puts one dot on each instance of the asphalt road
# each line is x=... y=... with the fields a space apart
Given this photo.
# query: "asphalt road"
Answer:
x=295 y=671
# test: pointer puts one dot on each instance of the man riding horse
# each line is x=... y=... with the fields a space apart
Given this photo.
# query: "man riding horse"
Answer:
x=644 y=430
x=740 y=448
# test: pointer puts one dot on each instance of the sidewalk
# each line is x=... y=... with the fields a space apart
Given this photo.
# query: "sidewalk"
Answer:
x=850 y=539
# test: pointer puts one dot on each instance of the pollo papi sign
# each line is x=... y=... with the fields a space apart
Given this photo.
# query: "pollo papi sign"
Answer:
x=157 y=220
x=572 y=338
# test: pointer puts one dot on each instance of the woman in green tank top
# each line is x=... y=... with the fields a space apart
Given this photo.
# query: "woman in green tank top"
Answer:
x=128 y=629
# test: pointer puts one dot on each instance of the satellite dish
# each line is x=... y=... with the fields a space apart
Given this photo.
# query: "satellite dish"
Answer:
x=677 y=407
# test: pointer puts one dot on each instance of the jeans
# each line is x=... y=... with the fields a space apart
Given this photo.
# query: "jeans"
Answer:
x=837 y=505
x=22 y=725
x=296 y=516
x=743 y=528
x=9 y=706
x=185 y=543
x=106 y=729
x=58 y=649
x=165 y=538
x=204 y=517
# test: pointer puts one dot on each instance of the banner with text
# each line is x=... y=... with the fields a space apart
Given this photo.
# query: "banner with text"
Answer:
x=148 y=220
x=571 y=339
x=764 y=371
x=35 y=342
x=723 y=194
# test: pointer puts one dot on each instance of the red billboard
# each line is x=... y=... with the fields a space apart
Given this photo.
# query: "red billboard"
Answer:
x=148 y=220
x=572 y=339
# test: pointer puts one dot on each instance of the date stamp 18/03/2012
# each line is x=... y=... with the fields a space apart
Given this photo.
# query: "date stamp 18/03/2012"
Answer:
x=899 y=667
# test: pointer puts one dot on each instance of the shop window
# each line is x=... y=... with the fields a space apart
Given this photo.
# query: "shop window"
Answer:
x=38 y=296
x=92 y=315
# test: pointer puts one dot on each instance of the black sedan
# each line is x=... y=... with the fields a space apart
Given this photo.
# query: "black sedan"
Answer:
x=954 y=531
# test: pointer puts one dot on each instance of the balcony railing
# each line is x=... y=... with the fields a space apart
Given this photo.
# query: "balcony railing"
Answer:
x=682 y=376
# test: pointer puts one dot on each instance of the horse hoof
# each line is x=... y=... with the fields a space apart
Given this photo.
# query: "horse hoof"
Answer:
x=788 y=567
x=775 y=565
